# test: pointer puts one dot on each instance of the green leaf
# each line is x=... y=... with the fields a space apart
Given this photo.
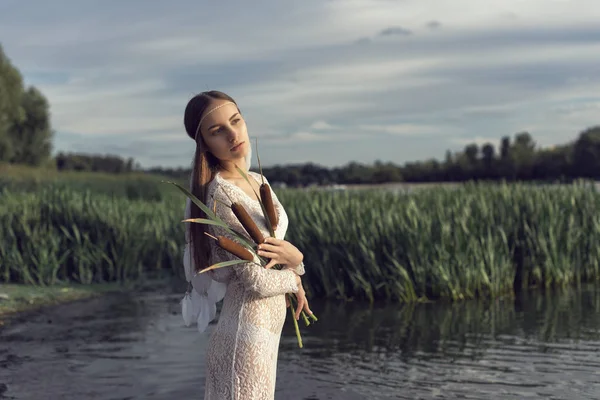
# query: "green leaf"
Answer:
x=205 y=221
x=223 y=264
x=196 y=201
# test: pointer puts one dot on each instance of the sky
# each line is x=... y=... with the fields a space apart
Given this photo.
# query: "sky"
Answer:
x=326 y=82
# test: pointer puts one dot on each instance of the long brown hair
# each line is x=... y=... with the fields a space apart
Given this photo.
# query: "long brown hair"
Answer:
x=204 y=167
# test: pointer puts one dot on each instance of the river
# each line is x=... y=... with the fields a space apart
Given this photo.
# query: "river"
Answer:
x=134 y=346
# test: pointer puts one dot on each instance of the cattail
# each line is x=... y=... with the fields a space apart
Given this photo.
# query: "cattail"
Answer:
x=265 y=196
x=247 y=222
x=233 y=247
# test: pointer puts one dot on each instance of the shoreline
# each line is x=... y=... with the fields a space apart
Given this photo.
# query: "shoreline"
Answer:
x=16 y=299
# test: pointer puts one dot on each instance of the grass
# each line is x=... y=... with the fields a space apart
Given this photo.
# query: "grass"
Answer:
x=470 y=241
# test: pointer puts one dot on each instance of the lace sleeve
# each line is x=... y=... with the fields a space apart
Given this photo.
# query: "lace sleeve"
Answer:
x=298 y=269
x=261 y=281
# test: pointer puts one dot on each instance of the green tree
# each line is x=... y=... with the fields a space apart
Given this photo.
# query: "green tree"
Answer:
x=25 y=134
x=32 y=136
x=487 y=152
x=523 y=151
x=11 y=113
x=586 y=153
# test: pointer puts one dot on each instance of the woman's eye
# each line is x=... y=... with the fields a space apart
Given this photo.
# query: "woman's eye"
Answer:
x=235 y=121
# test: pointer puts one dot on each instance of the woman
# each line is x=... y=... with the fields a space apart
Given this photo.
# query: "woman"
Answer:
x=242 y=350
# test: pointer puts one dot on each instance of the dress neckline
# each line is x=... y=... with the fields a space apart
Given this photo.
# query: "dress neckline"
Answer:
x=237 y=187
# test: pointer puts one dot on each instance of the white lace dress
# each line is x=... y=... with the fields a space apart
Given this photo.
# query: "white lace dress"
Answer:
x=241 y=361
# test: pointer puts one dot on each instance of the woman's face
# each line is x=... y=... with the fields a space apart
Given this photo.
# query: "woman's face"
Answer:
x=224 y=132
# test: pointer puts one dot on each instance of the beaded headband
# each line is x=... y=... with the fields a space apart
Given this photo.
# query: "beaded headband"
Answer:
x=206 y=115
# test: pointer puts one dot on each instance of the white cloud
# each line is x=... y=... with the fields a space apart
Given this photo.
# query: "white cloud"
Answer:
x=404 y=129
x=322 y=126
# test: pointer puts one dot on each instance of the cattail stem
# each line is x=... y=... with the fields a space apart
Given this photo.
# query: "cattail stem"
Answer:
x=259 y=166
x=294 y=302
x=296 y=326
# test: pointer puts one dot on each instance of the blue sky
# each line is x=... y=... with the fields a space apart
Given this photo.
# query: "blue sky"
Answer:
x=329 y=81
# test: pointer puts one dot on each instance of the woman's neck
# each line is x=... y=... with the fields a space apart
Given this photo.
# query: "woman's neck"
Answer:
x=229 y=170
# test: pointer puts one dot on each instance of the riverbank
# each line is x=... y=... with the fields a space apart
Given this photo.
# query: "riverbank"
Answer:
x=16 y=298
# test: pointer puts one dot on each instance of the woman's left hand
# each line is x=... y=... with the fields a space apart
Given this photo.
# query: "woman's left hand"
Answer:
x=280 y=252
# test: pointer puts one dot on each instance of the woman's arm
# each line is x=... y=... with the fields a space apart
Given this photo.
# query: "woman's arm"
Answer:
x=263 y=282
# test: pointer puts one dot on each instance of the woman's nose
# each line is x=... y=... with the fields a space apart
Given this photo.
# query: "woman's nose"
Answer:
x=232 y=134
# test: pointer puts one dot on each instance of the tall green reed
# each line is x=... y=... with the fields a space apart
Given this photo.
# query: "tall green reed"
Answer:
x=476 y=240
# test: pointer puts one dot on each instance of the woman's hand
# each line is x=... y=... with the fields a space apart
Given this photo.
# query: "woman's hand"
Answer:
x=302 y=301
x=280 y=252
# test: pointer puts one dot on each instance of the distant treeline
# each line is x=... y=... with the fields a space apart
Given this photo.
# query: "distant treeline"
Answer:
x=95 y=163
x=518 y=159
x=26 y=138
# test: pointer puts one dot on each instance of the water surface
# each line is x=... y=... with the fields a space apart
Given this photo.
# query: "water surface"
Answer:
x=134 y=346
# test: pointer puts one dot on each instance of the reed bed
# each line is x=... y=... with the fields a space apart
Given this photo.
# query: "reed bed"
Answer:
x=442 y=243
x=59 y=234
x=477 y=240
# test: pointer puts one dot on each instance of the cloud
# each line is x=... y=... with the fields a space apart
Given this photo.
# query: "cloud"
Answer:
x=434 y=25
x=322 y=126
x=406 y=129
x=320 y=81
x=395 y=31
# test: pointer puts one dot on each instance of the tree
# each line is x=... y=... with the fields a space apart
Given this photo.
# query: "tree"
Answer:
x=25 y=134
x=488 y=159
x=11 y=88
x=505 y=148
x=523 y=151
x=586 y=153
x=32 y=137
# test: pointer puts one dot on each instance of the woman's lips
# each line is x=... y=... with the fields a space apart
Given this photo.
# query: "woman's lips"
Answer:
x=237 y=147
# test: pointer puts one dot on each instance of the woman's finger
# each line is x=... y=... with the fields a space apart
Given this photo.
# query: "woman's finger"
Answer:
x=268 y=254
x=271 y=264
x=307 y=308
x=272 y=240
x=269 y=247
x=299 y=308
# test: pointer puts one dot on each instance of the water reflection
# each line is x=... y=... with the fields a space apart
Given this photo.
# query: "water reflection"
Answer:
x=135 y=346
x=536 y=345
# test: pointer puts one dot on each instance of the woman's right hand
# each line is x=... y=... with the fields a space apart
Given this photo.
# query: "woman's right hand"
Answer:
x=280 y=252
x=302 y=300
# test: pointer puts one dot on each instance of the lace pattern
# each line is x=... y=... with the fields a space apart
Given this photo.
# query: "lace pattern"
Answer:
x=241 y=361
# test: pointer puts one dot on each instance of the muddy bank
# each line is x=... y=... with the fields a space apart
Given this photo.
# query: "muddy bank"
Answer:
x=18 y=298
